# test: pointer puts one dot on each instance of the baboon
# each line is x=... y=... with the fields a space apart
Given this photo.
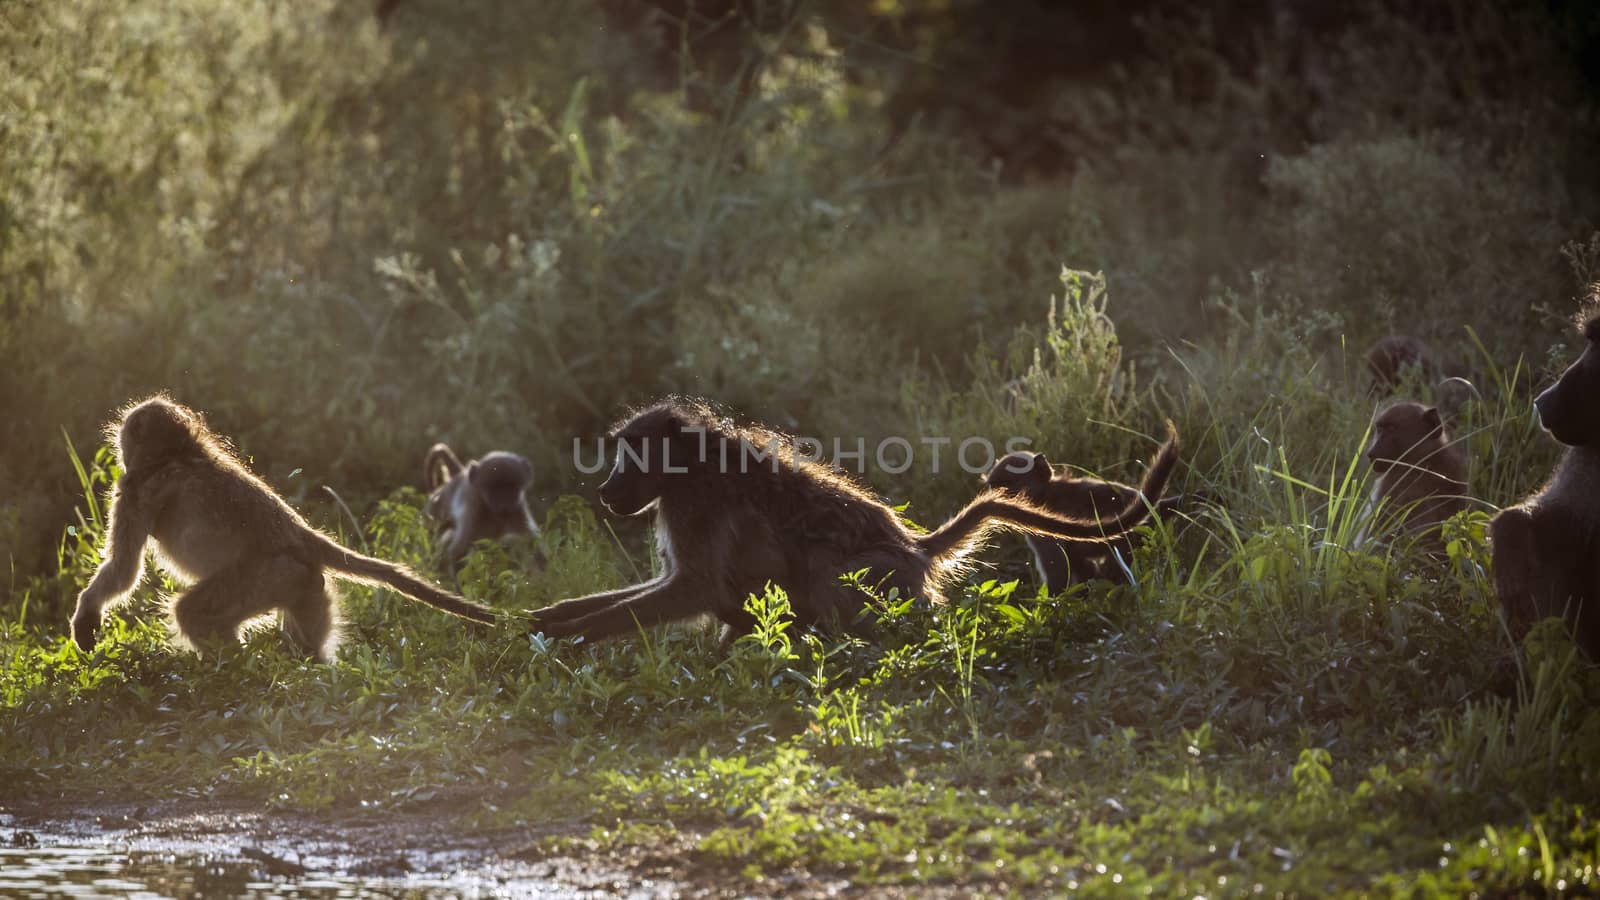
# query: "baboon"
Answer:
x=481 y=500
x=1422 y=474
x=1391 y=358
x=1546 y=549
x=220 y=527
x=1063 y=563
x=740 y=507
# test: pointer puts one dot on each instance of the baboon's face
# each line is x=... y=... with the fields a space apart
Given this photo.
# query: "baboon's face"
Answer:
x=1022 y=472
x=658 y=451
x=1567 y=409
x=638 y=476
x=500 y=478
x=1405 y=432
x=153 y=432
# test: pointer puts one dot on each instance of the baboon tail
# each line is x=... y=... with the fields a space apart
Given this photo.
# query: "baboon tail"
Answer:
x=355 y=567
x=1156 y=476
x=439 y=466
x=992 y=506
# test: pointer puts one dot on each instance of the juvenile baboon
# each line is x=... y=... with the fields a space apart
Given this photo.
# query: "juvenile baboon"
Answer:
x=1422 y=474
x=739 y=507
x=481 y=500
x=1063 y=563
x=220 y=527
x=1546 y=549
x=1391 y=358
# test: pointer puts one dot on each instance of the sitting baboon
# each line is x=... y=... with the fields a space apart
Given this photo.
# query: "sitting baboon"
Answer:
x=739 y=507
x=220 y=527
x=1546 y=549
x=384 y=10
x=481 y=500
x=1422 y=474
x=1391 y=358
x=1063 y=563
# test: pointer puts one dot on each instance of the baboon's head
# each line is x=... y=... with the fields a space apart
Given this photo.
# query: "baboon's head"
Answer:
x=500 y=478
x=1406 y=432
x=654 y=447
x=1568 y=408
x=155 y=430
x=1025 y=473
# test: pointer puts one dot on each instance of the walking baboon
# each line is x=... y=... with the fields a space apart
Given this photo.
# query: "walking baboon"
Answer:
x=739 y=507
x=1063 y=563
x=1546 y=549
x=1422 y=474
x=215 y=524
x=481 y=500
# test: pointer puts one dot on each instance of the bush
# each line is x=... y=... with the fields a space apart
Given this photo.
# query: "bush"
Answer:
x=1391 y=226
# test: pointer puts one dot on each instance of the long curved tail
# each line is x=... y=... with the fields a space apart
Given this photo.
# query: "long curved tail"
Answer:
x=353 y=566
x=439 y=466
x=994 y=507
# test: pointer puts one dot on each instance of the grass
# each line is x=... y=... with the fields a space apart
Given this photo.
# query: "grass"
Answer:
x=1262 y=710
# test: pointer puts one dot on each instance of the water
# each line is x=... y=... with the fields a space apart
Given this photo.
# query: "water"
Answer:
x=83 y=873
x=82 y=869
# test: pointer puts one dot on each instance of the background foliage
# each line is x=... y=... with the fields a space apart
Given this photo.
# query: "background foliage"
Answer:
x=501 y=223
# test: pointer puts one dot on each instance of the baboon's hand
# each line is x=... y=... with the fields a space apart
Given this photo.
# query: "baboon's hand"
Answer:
x=85 y=627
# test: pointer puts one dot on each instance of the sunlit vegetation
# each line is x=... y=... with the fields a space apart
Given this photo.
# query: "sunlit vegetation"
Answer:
x=497 y=224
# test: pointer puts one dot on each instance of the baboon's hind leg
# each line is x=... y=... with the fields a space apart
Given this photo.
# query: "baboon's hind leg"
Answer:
x=214 y=608
x=311 y=614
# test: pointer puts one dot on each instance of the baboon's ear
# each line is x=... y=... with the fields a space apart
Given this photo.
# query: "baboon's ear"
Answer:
x=1431 y=418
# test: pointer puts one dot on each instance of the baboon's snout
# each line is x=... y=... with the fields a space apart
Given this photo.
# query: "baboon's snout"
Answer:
x=619 y=496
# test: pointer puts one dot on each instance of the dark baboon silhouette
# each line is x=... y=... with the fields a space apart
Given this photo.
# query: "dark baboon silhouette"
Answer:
x=1063 y=563
x=739 y=507
x=1390 y=359
x=481 y=500
x=1422 y=474
x=1546 y=549
x=220 y=527
x=384 y=10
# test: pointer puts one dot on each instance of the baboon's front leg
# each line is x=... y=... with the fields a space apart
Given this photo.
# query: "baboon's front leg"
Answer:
x=668 y=600
x=1514 y=555
x=119 y=571
x=578 y=607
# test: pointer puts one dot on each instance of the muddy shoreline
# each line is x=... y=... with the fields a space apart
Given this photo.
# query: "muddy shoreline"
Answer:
x=429 y=848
